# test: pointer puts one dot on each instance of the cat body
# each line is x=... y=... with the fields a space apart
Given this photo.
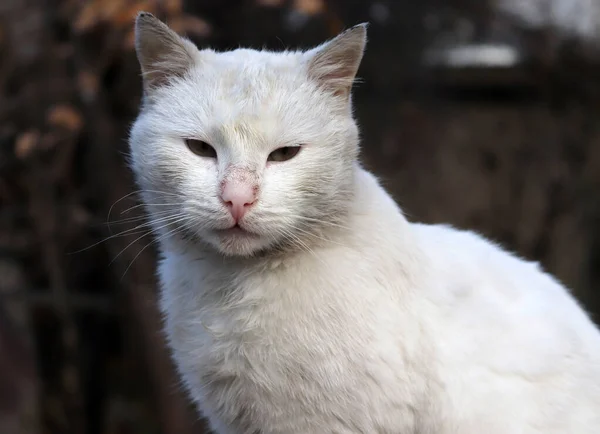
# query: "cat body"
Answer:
x=360 y=337
x=298 y=298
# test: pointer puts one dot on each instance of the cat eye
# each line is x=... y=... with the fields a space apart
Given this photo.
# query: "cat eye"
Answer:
x=201 y=148
x=284 y=154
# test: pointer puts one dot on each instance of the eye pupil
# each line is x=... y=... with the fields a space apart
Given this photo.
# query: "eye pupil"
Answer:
x=283 y=154
x=201 y=148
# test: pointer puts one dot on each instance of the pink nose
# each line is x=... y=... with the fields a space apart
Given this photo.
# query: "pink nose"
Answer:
x=239 y=197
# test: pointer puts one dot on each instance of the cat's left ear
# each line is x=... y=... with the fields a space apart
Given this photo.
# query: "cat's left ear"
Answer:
x=335 y=63
x=162 y=53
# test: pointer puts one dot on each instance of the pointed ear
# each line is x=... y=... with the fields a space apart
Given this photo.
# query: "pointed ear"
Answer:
x=335 y=63
x=162 y=53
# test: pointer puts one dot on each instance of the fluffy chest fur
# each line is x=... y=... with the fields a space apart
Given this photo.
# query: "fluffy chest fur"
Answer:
x=301 y=346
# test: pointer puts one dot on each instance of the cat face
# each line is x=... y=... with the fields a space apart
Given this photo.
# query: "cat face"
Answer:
x=245 y=150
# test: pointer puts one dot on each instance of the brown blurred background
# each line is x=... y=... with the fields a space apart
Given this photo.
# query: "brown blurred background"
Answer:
x=483 y=114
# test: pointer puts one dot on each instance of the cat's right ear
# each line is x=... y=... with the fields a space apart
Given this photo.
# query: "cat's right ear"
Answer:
x=335 y=63
x=162 y=53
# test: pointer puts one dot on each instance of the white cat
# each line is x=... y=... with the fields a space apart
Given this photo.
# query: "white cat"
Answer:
x=297 y=297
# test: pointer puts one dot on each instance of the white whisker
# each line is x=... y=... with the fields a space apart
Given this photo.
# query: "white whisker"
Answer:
x=136 y=192
x=170 y=222
x=127 y=232
x=317 y=236
x=137 y=218
x=150 y=204
x=271 y=217
x=168 y=233
x=300 y=243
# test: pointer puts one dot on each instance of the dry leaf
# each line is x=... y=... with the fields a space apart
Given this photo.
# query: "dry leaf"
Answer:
x=126 y=15
x=26 y=143
x=173 y=7
x=335 y=25
x=111 y=8
x=65 y=116
x=129 y=40
x=118 y=12
x=88 y=85
x=310 y=7
x=189 y=24
x=88 y=17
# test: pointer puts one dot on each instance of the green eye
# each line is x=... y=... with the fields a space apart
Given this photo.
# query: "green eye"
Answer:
x=201 y=148
x=284 y=154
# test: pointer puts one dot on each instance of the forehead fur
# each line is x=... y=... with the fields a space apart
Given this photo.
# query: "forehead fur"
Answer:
x=247 y=93
x=256 y=92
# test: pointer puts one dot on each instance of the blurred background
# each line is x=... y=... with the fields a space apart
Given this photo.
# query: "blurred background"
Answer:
x=480 y=113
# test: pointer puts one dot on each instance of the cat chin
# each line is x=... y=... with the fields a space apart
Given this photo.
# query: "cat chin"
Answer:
x=239 y=243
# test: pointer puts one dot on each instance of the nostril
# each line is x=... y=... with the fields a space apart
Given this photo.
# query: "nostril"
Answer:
x=238 y=197
x=231 y=204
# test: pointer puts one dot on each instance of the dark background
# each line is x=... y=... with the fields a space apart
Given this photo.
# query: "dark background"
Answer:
x=511 y=150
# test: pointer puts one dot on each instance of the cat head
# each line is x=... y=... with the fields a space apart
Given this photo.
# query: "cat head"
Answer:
x=245 y=150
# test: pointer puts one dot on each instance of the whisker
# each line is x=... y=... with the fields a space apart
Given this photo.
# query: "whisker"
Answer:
x=139 y=217
x=311 y=219
x=150 y=222
x=300 y=243
x=277 y=217
x=317 y=236
x=153 y=230
x=156 y=240
x=142 y=190
x=136 y=192
x=125 y=232
x=150 y=204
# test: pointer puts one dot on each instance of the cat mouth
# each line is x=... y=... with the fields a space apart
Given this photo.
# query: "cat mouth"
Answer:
x=236 y=230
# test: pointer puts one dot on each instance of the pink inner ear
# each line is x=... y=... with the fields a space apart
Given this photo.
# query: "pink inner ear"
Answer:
x=335 y=65
x=335 y=76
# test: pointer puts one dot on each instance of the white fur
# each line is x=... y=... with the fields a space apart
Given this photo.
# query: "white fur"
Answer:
x=362 y=322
